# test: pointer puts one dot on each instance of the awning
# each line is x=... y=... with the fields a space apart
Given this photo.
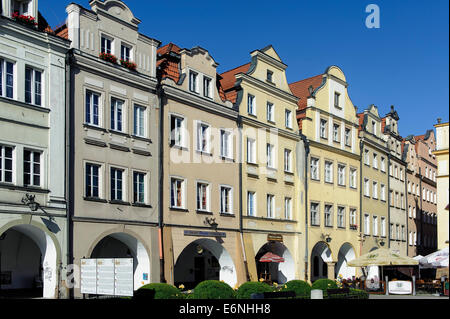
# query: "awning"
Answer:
x=271 y=258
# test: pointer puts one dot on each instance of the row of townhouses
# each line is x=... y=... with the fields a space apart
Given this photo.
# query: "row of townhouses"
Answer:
x=113 y=145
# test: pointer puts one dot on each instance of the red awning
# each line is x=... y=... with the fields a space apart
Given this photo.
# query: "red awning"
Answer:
x=271 y=258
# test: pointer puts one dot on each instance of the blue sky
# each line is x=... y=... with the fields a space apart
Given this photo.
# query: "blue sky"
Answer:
x=403 y=63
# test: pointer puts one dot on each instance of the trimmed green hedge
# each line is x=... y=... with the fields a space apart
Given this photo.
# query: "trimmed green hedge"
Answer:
x=213 y=289
x=300 y=287
x=324 y=284
x=246 y=290
x=164 y=291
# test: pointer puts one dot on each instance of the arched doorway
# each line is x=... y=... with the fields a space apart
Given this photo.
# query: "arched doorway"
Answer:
x=122 y=245
x=279 y=272
x=28 y=262
x=204 y=259
x=346 y=254
x=320 y=256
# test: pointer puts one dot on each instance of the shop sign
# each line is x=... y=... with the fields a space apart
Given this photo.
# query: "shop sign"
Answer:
x=400 y=287
x=204 y=233
x=275 y=237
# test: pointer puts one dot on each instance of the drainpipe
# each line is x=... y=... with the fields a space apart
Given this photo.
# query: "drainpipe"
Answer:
x=69 y=155
x=307 y=151
x=389 y=200
x=361 y=151
x=160 y=95
x=421 y=212
x=406 y=206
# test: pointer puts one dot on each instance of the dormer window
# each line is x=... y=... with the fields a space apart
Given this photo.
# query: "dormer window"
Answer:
x=374 y=128
x=23 y=7
x=125 y=52
x=207 y=87
x=193 y=81
x=336 y=99
x=269 y=76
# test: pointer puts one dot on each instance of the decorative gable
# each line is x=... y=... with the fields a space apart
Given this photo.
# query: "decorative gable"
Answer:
x=116 y=9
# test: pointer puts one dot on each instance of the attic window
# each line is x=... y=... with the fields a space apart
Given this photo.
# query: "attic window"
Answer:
x=21 y=6
x=269 y=76
x=336 y=99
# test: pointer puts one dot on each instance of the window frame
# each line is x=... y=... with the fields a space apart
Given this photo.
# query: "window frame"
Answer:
x=33 y=99
x=4 y=78
x=114 y=115
x=3 y=160
x=32 y=163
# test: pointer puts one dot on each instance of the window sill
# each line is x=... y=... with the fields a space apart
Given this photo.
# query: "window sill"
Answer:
x=252 y=164
x=231 y=215
x=271 y=122
x=289 y=173
x=178 y=209
x=140 y=138
x=119 y=202
x=95 y=199
x=179 y=147
x=141 y=205
x=94 y=127
x=204 y=153
x=252 y=115
x=111 y=131
x=227 y=159
x=32 y=189
x=203 y=212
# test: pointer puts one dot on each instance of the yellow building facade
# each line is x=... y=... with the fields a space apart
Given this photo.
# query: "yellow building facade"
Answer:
x=327 y=118
x=269 y=185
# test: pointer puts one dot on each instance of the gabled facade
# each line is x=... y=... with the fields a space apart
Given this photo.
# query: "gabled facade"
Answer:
x=375 y=180
x=270 y=191
x=200 y=161
x=113 y=138
x=327 y=119
x=33 y=228
x=422 y=196
x=397 y=184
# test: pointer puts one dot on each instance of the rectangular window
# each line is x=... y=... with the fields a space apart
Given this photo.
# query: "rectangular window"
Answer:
x=251 y=204
x=288 y=118
x=375 y=190
x=328 y=172
x=409 y=187
x=138 y=187
x=92 y=110
x=92 y=181
x=193 y=85
x=33 y=86
x=375 y=225
x=202 y=137
x=6 y=164
x=125 y=52
x=348 y=137
x=315 y=214
x=6 y=79
x=391 y=231
x=139 y=121
x=403 y=233
x=32 y=168
x=353 y=178
x=270 y=112
x=383 y=227
x=226 y=200
x=383 y=192
x=341 y=175
x=117 y=115
x=270 y=156
x=288 y=208
x=117 y=187
x=202 y=196
x=315 y=168
x=336 y=99
x=176 y=193
x=270 y=206
x=251 y=151
x=366 y=224
x=323 y=128
x=353 y=222
x=21 y=7
x=366 y=187
x=383 y=164
x=341 y=217
x=366 y=157
x=401 y=174
x=207 y=87
x=397 y=232
x=106 y=45
x=374 y=128
x=336 y=133
x=177 y=130
x=225 y=144
x=375 y=161
x=269 y=76
x=328 y=215
x=287 y=161
x=251 y=107
x=402 y=201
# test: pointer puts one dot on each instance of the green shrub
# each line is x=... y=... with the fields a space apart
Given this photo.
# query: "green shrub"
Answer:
x=324 y=284
x=246 y=290
x=213 y=289
x=164 y=291
x=359 y=294
x=300 y=287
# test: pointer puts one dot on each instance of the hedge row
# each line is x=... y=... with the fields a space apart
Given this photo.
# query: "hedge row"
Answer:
x=214 y=289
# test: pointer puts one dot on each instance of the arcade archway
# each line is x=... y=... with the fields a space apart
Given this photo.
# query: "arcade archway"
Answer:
x=346 y=254
x=28 y=262
x=122 y=245
x=320 y=256
x=204 y=259
x=275 y=272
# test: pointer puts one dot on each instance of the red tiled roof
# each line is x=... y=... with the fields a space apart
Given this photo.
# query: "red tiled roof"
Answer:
x=361 y=121
x=166 y=64
x=171 y=47
x=228 y=79
x=383 y=124
x=301 y=89
x=62 y=31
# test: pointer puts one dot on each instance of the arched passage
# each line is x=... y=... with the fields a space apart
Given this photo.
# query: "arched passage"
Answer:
x=279 y=272
x=122 y=245
x=204 y=259
x=29 y=258
x=320 y=256
x=346 y=254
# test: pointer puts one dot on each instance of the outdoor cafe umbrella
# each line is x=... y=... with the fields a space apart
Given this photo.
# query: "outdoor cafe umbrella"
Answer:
x=271 y=258
x=436 y=259
x=382 y=257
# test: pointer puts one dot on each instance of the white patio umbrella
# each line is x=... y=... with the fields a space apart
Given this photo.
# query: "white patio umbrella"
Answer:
x=436 y=259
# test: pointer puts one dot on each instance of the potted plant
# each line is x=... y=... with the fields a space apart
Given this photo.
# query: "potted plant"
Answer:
x=128 y=64
x=24 y=19
x=108 y=57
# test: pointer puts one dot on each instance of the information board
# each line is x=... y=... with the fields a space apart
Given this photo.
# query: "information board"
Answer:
x=400 y=287
x=109 y=277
